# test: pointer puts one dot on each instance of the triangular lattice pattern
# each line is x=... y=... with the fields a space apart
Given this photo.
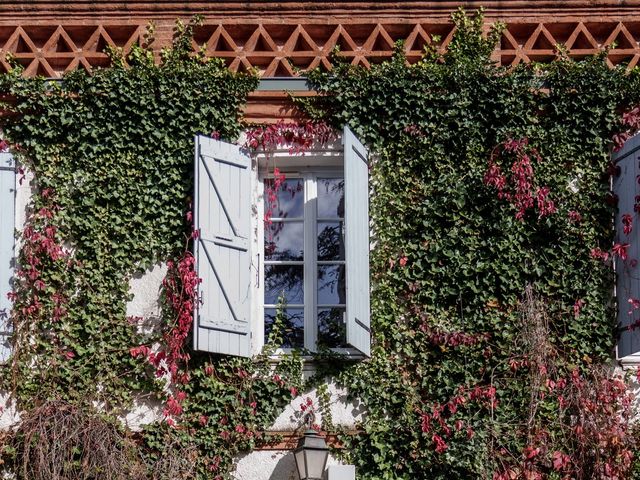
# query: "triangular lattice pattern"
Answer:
x=50 y=50
x=288 y=49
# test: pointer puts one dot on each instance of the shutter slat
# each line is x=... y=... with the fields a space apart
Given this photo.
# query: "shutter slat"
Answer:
x=223 y=217
x=7 y=228
x=356 y=179
x=626 y=187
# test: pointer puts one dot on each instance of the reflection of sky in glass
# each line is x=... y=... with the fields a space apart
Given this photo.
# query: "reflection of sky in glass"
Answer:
x=290 y=195
x=330 y=241
x=330 y=198
x=331 y=327
x=283 y=278
x=292 y=327
x=331 y=280
x=284 y=241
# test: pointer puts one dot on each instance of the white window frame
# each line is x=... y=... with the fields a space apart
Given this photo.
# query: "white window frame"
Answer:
x=323 y=162
x=310 y=263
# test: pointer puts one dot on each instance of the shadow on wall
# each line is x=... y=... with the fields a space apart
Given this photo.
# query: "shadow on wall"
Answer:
x=285 y=469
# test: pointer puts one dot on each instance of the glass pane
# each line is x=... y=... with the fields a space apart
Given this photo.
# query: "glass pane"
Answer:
x=283 y=279
x=332 y=330
x=287 y=201
x=330 y=198
x=284 y=241
x=331 y=283
x=330 y=241
x=291 y=323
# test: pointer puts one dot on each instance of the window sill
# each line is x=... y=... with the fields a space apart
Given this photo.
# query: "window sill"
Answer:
x=340 y=355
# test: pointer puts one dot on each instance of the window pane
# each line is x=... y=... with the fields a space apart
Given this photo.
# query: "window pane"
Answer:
x=291 y=327
x=287 y=279
x=284 y=241
x=331 y=285
x=332 y=331
x=287 y=201
x=330 y=198
x=330 y=241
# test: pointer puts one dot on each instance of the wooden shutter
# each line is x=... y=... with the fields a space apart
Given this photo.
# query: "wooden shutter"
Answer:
x=627 y=188
x=7 y=227
x=356 y=180
x=223 y=258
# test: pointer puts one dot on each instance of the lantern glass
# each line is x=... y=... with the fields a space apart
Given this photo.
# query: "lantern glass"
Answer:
x=300 y=464
x=311 y=456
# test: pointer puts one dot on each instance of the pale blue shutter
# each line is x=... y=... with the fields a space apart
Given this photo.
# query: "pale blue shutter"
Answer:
x=356 y=180
x=626 y=187
x=7 y=227
x=222 y=251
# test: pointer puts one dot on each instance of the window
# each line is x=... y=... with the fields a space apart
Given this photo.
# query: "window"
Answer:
x=627 y=189
x=314 y=251
x=7 y=227
x=304 y=259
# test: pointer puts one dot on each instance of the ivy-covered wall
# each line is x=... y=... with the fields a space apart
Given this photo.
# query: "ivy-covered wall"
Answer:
x=492 y=300
x=491 y=304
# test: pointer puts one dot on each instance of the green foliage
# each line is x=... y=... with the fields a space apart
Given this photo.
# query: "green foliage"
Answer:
x=230 y=402
x=112 y=158
x=467 y=259
x=112 y=155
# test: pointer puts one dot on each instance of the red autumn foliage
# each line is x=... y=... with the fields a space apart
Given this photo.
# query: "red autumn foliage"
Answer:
x=519 y=188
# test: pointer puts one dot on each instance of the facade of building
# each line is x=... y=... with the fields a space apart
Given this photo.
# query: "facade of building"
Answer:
x=282 y=40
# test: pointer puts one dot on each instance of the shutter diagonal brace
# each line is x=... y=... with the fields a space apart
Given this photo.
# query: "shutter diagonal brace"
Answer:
x=232 y=305
x=232 y=222
x=359 y=154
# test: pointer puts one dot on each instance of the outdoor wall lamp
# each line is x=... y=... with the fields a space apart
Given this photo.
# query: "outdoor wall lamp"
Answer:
x=311 y=453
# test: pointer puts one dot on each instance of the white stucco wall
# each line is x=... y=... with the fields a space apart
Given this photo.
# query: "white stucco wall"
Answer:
x=8 y=414
x=145 y=304
x=270 y=465
x=344 y=413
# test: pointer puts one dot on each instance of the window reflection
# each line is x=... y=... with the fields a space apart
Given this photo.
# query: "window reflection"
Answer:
x=284 y=241
x=332 y=332
x=331 y=285
x=289 y=198
x=330 y=241
x=283 y=279
x=330 y=198
x=292 y=326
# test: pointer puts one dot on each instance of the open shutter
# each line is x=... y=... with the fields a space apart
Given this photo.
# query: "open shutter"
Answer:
x=223 y=258
x=627 y=189
x=356 y=179
x=7 y=226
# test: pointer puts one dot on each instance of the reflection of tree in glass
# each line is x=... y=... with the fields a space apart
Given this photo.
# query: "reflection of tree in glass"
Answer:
x=286 y=280
x=333 y=187
x=286 y=190
x=331 y=328
x=332 y=279
x=330 y=242
x=291 y=322
x=283 y=241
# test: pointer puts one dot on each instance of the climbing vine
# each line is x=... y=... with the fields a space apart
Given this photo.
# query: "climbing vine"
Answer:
x=111 y=156
x=491 y=272
x=491 y=302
